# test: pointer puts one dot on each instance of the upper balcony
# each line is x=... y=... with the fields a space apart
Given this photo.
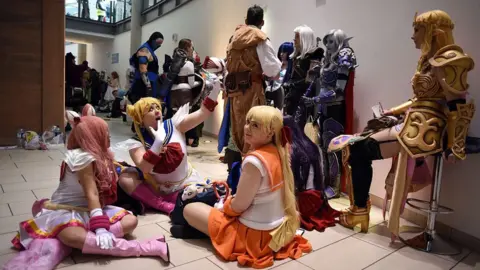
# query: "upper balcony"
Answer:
x=106 y=18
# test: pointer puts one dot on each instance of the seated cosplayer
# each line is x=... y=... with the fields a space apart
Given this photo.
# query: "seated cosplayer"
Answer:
x=79 y=214
x=159 y=152
x=259 y=224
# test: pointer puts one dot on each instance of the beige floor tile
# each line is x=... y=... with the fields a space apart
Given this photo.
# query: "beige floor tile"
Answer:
x=379 y=235
x=112 y=263
x=336 y=205
x=5 y=211
x=166 y=225
x=10 y=173
x=44 y=193
x=197 y=265
x=20 y=208
x=376 y=216
x=20 y=196
x=185 y=251
x=151 y=218
x=29 y=156
x=11 y=224
x=349 y=254
x=292 y=265
x=56 y=155
x=147 y=232
x=41 y=173
x=234 y=265
x=469 y=263
x=14 y=187
x=329 y=236
x=212 y=171
x=31 y=164
x=341 y=200
x=7 y=164
x=407 y=258
x=12 y=179
x=6 y=244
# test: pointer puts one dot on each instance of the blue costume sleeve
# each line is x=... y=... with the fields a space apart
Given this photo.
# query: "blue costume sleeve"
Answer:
x=142 y=60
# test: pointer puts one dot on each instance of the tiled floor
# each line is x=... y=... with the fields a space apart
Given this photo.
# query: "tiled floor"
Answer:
x=29 y=175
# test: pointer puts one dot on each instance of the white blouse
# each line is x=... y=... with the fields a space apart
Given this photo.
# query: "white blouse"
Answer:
x=267 y=209
x=69 y=190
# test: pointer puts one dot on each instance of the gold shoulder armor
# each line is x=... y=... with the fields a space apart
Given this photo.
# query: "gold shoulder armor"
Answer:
x=456 y=65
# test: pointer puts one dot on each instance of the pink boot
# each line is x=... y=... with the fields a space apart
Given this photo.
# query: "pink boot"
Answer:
x=124 y=248
x=41 y=254
x=146 y=195
x=117 y=230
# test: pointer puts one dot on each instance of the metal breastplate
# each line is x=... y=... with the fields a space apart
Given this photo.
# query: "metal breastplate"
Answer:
x=425 y=85
x=426 y=120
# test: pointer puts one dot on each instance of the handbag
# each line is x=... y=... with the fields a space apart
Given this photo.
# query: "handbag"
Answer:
x=208 y=193
x=311 y=130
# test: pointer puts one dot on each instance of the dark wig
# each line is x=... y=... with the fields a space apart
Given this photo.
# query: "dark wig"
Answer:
x=304 y=153
x=286 y=47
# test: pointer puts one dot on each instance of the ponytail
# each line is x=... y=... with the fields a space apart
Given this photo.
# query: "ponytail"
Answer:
x=287 y=230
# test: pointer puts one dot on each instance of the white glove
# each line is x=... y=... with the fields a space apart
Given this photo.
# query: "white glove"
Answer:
x=217 y=86
x=104 y=238
x=159 y=135
x=219 y=205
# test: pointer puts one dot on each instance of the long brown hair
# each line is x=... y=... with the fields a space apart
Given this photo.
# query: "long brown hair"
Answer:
x=115 y=75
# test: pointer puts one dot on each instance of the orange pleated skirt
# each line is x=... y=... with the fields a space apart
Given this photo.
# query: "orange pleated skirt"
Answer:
x=234 y=241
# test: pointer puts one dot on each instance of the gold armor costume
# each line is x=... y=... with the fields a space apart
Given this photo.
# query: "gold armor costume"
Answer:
x=438 y=109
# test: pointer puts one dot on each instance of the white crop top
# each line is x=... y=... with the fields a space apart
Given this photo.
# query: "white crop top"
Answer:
x=267 y=209
x=69 y=190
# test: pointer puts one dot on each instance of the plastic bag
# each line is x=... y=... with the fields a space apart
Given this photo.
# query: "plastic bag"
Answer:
x=32 y=140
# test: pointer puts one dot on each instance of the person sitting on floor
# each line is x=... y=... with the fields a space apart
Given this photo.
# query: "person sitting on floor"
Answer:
x=253 y=227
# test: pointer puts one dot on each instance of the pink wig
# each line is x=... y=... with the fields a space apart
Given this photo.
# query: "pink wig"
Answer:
x=91 y=135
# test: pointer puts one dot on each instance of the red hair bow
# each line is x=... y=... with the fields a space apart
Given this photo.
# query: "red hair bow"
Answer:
x=286 y=136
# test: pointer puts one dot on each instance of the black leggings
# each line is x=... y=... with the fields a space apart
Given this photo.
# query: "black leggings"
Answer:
x=362 y=154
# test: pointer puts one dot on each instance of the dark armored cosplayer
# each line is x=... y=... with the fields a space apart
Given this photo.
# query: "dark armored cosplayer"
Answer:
x=334 y=101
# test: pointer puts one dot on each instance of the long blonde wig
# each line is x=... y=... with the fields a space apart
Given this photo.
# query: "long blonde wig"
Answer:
x=138 y=110
x=438 y=30
x=270 y=119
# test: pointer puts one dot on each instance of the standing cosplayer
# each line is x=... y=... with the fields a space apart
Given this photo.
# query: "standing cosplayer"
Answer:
x=336 y=101
x=307 y=58
x=436 y=121
x=80 y=214
x=275 y=91
x=146 y=67
x=159 y=152
x=250 y=55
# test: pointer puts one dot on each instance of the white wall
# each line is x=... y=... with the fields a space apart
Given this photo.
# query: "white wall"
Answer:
x=72 y=48
x=98 y=55
x=121 y=45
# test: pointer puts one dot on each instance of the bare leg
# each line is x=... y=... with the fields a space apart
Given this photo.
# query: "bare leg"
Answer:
x=129 y=181
x=196 y=215
x=73 y=237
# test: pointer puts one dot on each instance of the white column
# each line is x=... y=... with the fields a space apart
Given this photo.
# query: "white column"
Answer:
x=135 y=26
